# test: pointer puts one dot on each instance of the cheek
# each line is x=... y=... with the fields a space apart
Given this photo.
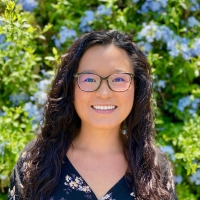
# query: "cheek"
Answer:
x=81 y=99
x=77 y=97
x=128 y=98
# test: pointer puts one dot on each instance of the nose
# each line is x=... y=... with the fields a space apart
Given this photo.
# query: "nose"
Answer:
x=104 y=91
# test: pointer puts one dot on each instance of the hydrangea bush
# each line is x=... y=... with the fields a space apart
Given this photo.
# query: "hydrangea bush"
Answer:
x=34 y=33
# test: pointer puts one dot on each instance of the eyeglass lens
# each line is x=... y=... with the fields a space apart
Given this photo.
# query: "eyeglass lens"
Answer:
x=117 y=82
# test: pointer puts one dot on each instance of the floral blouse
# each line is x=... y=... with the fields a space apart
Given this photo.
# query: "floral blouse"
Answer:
x=72 y=186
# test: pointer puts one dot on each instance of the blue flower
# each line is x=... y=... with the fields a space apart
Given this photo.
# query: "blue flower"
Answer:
x=192 y=112
x=163 y=3
x=192 y=21
x=56 y=41
x=64 y=34
x=3 y=44
x=148 y=32
x=152 y=32
x=176 y=45
x=183 y=103
x=174 y=52
x=31 y=109
x=187 y=101
x=2 y=38
x=144 y=8
x=154 y=5
x=195 y=5
x=185 y=50
x=195 y=103
x=195 y=178
x=36 y=110
x=43 y=85
x=169 y=151
x=89 y=17
x=2 y=147
x=102 y=10
x=178 y=179
x=28 y=5
x=16 y=99
x=46 y=74
x=165 y=33
x=40 y=97
x=145 y=46
x=171 y=45
x=2 y=113
x=195 y=50
x=35 y=113
x=86 y=20
x=161 y=83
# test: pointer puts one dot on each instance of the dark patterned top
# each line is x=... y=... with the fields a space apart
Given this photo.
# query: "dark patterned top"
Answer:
x=72 y=186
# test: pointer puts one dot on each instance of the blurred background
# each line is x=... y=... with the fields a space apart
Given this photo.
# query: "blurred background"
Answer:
x=35 y=33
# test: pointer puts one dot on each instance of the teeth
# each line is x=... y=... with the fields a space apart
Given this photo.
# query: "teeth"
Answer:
x=104 y=107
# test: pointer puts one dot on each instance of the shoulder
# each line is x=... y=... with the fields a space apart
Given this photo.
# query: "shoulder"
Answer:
x=16 y=179
x=162 y=159
x=166 y=172
x=25 y=152
x=164 y=163
x=29 y=146
x=24 y=156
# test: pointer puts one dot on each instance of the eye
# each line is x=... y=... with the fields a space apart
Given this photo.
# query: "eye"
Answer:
x=118 y=79
x=89 y=80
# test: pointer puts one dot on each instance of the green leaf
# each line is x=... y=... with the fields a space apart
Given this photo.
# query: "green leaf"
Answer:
x=49 y=58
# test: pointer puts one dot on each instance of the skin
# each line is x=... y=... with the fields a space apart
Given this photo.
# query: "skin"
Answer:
x=97 y=152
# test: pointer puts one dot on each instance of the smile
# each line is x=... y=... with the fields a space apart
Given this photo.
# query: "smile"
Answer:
x=104 y=107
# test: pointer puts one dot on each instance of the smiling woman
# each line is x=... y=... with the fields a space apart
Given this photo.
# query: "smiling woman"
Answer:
x=111 y=62
x=97 y=137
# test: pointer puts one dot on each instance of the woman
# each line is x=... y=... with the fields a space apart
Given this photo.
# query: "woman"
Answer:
x=97 y=138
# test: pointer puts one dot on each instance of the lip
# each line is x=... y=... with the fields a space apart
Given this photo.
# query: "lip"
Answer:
x=104 y=111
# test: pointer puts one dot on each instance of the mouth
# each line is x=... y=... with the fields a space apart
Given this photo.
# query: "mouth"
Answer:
x=109 y=107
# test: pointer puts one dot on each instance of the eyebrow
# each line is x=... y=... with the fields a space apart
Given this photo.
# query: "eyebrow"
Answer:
x=93 y=71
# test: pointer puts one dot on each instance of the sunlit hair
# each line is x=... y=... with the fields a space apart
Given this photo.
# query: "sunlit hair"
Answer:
x=61 y=125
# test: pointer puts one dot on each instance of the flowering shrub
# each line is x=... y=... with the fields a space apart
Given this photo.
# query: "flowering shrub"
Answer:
x=34 y=33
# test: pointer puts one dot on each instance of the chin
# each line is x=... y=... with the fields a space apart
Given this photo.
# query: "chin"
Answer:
x=108 y=125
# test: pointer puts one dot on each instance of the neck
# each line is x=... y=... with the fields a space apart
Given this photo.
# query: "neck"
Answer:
x=99 y=141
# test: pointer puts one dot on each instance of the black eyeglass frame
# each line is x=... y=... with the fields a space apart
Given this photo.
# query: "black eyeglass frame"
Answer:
x=104 y=78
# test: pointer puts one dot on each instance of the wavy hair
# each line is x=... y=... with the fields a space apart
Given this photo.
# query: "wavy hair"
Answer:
x=61 y=125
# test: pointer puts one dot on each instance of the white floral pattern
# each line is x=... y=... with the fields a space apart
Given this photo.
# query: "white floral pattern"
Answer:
x=11 y=193
x=108 y=197
x=76 y=183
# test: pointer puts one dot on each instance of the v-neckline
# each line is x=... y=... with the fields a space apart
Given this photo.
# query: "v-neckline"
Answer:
x=89 y=185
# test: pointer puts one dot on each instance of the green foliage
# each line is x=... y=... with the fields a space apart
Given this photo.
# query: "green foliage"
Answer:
x=184 y=192
x=16 y=131
x=18 y=60
x=188 y=143
x=34 y=40
x=19 y=67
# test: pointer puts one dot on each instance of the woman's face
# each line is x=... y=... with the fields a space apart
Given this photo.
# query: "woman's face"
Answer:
x=104 y=60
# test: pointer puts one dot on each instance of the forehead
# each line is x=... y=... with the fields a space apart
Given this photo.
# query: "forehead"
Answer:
x=105 y=60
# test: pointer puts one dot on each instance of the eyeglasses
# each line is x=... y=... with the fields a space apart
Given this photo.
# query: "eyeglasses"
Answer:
x=118 y=82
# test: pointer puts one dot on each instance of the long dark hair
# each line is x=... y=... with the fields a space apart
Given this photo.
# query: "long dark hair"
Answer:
x=61 y=124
